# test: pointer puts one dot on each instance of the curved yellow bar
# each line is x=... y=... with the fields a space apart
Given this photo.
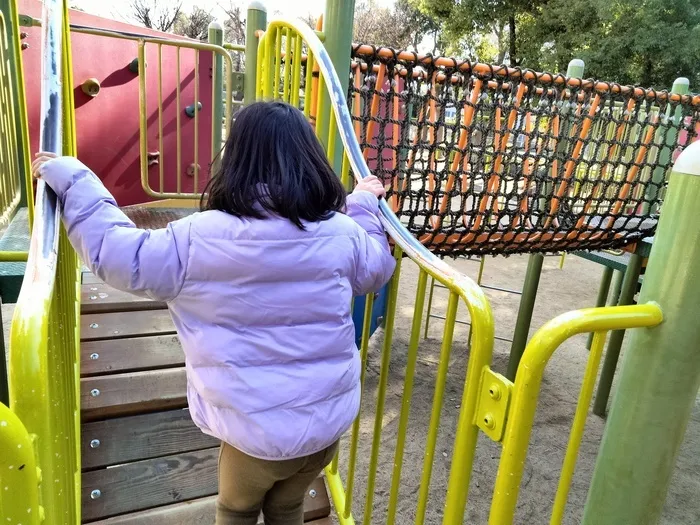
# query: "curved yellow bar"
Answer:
x=19 y=476
x=527 y=388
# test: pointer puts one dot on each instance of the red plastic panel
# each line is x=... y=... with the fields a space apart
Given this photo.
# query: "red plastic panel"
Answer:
x=108 y=124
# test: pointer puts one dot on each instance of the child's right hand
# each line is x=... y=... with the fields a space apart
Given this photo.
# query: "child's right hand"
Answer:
x=373 y=185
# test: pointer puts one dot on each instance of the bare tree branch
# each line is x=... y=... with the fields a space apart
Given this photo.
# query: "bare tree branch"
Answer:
x=195 y=25
x=154 y=15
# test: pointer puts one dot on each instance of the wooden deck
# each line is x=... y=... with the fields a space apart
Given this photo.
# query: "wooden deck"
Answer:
x=144 y=461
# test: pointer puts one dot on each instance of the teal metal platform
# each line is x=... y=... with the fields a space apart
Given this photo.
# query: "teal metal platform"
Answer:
x=14 y=239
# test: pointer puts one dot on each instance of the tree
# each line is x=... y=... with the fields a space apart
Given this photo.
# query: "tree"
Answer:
x=400 y=27
x=649 y=43
x=234 y=32
x=461 y=21
x=154 y=15
x=195 y=25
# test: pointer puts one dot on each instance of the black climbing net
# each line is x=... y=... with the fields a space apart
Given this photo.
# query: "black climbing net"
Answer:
x=490 y=160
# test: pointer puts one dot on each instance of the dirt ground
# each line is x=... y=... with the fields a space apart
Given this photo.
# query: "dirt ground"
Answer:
x=573 y=287
x=560 y=290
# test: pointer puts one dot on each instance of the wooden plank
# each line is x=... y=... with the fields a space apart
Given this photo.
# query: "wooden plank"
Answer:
x=135 y=438
x=125 y=324
x=102 y=298
x=318 y=506
x=150 y=483
x=200 y=512
x=130 y=355
x=197 y=512
x=91 y=278
x=133 y=393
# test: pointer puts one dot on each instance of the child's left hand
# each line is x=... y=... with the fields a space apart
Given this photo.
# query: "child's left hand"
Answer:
x=41 y=159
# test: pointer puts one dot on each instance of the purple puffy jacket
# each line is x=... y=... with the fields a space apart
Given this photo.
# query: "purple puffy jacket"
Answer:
x=261 y=307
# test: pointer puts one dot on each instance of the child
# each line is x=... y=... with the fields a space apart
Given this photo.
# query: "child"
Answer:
x=259 y=286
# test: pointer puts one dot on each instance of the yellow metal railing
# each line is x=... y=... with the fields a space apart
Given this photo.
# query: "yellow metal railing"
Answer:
x=199 y=171
x=293 y=66
x=526 y=389
x=42 y=425
x=13 y=160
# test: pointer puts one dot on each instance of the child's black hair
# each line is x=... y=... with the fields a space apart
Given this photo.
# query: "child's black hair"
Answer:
x=273 y=160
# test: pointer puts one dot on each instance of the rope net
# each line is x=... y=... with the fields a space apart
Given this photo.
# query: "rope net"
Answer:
x=492 y=160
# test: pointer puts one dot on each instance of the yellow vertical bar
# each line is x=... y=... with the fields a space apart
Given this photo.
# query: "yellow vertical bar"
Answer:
x=446 y=348
x=143 y=122
x=277 y=65
x=296 y=75
x=355 y=436
x=332 y=132
x=196 y=121
x=289 y=46
x=345 y=172
x=178 y=127
x=381 y=388
x=161 y=157
x=320 y=101
x=411 y=359
x=578 y=426
x=264 y=65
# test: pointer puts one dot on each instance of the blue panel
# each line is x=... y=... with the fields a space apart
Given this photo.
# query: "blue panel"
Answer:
x=358 y=313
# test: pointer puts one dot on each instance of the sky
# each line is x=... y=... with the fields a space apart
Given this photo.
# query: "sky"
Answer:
x=119 y=9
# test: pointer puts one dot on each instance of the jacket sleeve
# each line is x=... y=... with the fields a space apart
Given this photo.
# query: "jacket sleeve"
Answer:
x=151 y=263
x=375 y=263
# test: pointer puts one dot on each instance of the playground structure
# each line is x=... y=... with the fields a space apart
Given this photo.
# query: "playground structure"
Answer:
x=72 y=376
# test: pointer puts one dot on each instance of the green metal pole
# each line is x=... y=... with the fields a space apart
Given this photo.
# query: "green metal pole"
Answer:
x=603 y=291
x=216 y=37
x=527 y=305
x=534 y=270
x=616 y=287
x=660 y=373
x=629 y=287
x=256 y=19
x=337 y=28
x=666 y=140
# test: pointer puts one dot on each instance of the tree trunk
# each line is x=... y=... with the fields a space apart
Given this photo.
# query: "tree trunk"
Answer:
x=511 y=37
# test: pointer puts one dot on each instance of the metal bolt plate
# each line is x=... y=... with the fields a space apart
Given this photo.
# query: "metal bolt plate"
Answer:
x=493 y=403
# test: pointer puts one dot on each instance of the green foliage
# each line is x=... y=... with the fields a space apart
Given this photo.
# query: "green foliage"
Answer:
x=645 y=42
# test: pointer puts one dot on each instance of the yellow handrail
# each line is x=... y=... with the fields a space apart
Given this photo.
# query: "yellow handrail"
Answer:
x=526 y=392
x=44 y=348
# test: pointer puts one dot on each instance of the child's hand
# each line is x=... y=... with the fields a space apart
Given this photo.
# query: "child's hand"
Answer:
x=373 y=185
x=41 y=159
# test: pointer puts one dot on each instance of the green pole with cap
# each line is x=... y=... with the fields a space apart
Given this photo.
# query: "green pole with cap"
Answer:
x=660 y=373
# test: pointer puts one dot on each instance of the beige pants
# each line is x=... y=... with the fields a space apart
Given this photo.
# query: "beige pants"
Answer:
x=248 y=486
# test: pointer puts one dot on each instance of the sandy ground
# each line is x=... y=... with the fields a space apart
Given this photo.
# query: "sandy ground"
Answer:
x=560 y=290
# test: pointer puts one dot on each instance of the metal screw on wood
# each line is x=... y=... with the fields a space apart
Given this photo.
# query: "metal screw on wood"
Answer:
x=95 y=494
x=93 y=297
x=94 y=356
x=312 y=493
x=94 y=392
x=94 y=325
x=94 y=443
